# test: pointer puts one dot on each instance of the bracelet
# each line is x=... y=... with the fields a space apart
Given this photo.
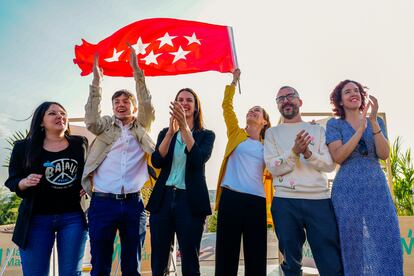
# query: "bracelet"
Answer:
x=378 y=132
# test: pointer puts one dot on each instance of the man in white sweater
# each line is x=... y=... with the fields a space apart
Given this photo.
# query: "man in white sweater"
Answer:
x=297 y=156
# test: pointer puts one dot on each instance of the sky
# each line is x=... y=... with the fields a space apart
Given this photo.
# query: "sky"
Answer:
x=310 y=45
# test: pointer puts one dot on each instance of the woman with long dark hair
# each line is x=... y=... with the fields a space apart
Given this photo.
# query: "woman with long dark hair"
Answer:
x=45 y=171
x=367 y=219
x=241 y=195
x=179 y=202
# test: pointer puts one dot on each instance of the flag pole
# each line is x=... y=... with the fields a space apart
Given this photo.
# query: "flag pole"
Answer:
x=234 y=55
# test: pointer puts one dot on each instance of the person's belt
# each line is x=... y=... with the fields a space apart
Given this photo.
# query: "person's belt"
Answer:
x=117 y=196
x=174 y=188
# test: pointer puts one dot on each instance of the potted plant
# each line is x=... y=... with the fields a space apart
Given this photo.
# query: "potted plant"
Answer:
x=402 y=176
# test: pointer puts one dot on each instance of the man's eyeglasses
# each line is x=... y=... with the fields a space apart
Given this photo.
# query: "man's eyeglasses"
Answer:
x=288 y=97
x=362 y=147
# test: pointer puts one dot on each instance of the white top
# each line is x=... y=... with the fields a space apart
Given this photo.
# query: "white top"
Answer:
x=244 y=170
x=294 y=176
x=124 y=167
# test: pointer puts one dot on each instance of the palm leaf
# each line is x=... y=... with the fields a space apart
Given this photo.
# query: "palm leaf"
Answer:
x=16 y=136
x=402 y=177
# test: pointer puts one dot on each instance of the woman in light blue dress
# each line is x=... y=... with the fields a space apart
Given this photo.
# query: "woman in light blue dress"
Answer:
x=367 y=219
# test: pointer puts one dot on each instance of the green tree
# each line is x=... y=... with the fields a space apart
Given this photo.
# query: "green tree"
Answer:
x=402 y=178
x=9 y=205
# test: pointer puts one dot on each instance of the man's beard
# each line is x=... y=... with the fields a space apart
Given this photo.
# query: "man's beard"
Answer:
x=292 y=113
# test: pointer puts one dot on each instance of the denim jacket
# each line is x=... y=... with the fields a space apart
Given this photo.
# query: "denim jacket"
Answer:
x=107 y=132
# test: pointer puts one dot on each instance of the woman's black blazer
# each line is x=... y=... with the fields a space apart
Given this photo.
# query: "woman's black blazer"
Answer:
x=195 y=180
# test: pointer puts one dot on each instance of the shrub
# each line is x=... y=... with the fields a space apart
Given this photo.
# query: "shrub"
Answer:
x=402 y=178
x=9 y=205
x=212 y=222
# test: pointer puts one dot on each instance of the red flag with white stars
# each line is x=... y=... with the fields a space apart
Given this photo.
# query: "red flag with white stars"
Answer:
x=164 y=46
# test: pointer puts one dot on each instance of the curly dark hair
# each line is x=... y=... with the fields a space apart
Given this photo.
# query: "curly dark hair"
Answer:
x=336 y=98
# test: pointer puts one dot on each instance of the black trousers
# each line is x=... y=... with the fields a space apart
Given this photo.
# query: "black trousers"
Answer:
x=175 y=216
x=240 y=215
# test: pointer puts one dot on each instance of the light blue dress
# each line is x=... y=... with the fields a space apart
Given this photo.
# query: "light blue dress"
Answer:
x=367 y=219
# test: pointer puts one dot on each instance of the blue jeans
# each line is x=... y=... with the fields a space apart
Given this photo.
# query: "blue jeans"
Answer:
x=106 y=216
x=69 y=229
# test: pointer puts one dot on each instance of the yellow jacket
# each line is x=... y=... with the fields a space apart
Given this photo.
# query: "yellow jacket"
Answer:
x=235 y=136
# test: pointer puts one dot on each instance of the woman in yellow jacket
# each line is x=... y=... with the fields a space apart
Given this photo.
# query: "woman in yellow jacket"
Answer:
x=241 y=191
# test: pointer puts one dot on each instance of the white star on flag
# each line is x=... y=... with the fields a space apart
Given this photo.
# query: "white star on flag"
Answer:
x=115 y=56
x=140 y=46
x=180 y=54
x=166 y=39
x=192 y=39
x=151 y=58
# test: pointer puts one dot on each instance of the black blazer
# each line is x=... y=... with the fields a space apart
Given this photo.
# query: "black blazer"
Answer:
x=195 y=180
x=17 y=172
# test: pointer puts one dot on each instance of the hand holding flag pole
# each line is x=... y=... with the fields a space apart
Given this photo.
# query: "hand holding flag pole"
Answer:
x=234 y=56
x=236 y=77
